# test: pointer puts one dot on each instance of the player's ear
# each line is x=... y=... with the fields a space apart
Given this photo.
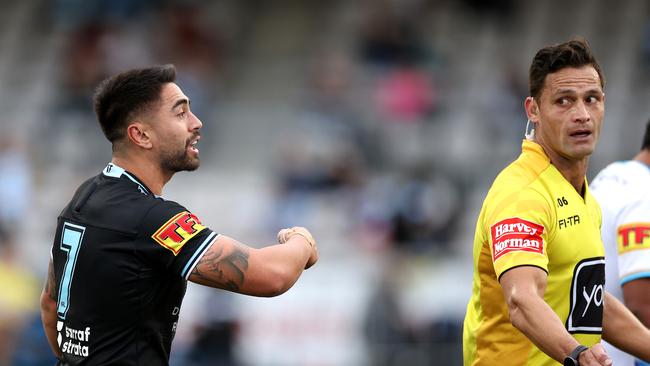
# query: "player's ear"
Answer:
x=532 y=109
x=139 y=134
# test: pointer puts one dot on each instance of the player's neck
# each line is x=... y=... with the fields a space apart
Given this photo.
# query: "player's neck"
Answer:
x=148 y=172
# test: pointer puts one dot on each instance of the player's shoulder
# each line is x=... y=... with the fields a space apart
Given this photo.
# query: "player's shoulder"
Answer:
x=622 y=174
x=115 y=200
x=136 y=203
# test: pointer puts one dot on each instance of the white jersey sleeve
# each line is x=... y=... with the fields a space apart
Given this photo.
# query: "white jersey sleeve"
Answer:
x=622 y=192
x=633 y=240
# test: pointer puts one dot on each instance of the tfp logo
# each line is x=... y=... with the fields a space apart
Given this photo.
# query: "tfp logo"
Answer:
x=633 y=236
x=177 y=231
x=587 y=296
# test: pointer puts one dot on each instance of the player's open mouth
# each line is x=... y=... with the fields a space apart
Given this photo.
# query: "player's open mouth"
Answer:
x=192 y=145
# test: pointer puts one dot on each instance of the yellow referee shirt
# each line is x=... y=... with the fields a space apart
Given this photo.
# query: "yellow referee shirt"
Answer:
x=532 y=216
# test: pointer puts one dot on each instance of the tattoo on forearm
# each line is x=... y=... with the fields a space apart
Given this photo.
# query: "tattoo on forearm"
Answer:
x=50 y=285
x=229 y=269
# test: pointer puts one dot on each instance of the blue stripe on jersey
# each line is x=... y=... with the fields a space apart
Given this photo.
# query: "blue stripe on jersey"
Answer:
x=633 y=277
x=197 y=255
x=115 y=171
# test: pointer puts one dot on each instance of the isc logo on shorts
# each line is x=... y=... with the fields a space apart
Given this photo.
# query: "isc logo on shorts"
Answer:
x=515 y=234
x=633 y=236
x=177 y=231
x=587 y=295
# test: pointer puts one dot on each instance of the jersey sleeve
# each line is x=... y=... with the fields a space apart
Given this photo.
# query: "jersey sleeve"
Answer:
x=518 y=229
x=633 y=241
x=174 y=238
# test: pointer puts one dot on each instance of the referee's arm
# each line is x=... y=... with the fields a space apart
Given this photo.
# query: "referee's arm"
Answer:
x=48 y=310
x=268 y=271
x=523 y=289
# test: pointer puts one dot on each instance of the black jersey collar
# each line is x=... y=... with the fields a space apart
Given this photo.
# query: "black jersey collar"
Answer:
x=115 y=171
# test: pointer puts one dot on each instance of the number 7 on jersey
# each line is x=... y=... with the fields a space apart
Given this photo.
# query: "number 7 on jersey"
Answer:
x=71 y=238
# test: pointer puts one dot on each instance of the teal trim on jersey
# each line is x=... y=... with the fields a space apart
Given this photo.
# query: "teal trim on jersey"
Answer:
x=197 y=255
x=115 y=171
x=633 y=277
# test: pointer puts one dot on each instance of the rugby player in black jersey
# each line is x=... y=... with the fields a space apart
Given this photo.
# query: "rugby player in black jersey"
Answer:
x=122 y=254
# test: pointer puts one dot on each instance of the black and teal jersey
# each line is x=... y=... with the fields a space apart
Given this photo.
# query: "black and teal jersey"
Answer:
x=121 y=258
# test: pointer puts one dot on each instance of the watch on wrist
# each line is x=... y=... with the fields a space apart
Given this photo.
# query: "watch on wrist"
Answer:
x=572 y=358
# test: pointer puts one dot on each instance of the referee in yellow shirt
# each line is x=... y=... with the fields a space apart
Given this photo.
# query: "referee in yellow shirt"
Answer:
x=539 y=269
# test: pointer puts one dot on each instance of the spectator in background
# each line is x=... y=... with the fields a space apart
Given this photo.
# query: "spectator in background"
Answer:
x=15 y=186
x=18 y=297
x=71 y=14
x=406 y=94
x=84 y=64
x=390 y=43
x=499 y=9
x=19 y=293
x=622 y=190
x=385 y=327
x=83 y=61
x=388 y=38
x=206 y=337
x=426 y=208
x=334 y=148
x=184 y=37
x=502 y=109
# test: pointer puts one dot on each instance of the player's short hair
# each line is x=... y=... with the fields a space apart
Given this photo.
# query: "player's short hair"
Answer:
x=646 y=138
x=550 y=59
x=121 y=97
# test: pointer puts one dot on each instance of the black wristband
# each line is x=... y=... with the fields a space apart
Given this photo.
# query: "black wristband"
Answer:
x=572 y=358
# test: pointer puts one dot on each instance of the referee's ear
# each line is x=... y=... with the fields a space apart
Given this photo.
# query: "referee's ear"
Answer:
x=139 y=134
x=532 y=109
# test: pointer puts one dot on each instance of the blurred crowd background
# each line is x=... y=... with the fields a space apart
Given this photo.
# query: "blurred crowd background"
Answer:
x=378 y=124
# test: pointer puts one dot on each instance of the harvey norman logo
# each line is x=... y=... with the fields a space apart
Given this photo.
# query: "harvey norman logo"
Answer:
x=515 y=234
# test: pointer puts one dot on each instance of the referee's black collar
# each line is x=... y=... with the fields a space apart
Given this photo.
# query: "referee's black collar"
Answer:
x=113 y=170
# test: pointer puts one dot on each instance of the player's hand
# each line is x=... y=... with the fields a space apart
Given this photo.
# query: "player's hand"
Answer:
x=286 y=234
x=595 y=356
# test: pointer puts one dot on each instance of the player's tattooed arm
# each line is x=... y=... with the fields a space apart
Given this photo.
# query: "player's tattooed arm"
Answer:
x=267 y=271
x=50 y=285
x=223 y=266
x=48 y=310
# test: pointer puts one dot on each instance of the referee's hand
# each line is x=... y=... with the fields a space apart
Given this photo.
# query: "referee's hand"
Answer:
x=595 y=356
x=286 y=234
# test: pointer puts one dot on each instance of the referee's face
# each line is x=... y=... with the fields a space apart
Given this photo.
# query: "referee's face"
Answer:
x=569 y=113
x=176 y=131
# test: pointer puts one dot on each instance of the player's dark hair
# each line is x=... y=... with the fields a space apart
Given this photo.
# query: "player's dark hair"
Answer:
x=121 y=97
x=646 y=137
x=550 y=59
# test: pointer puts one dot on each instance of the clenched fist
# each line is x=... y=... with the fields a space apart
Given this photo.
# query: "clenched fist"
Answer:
x=285 y=234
